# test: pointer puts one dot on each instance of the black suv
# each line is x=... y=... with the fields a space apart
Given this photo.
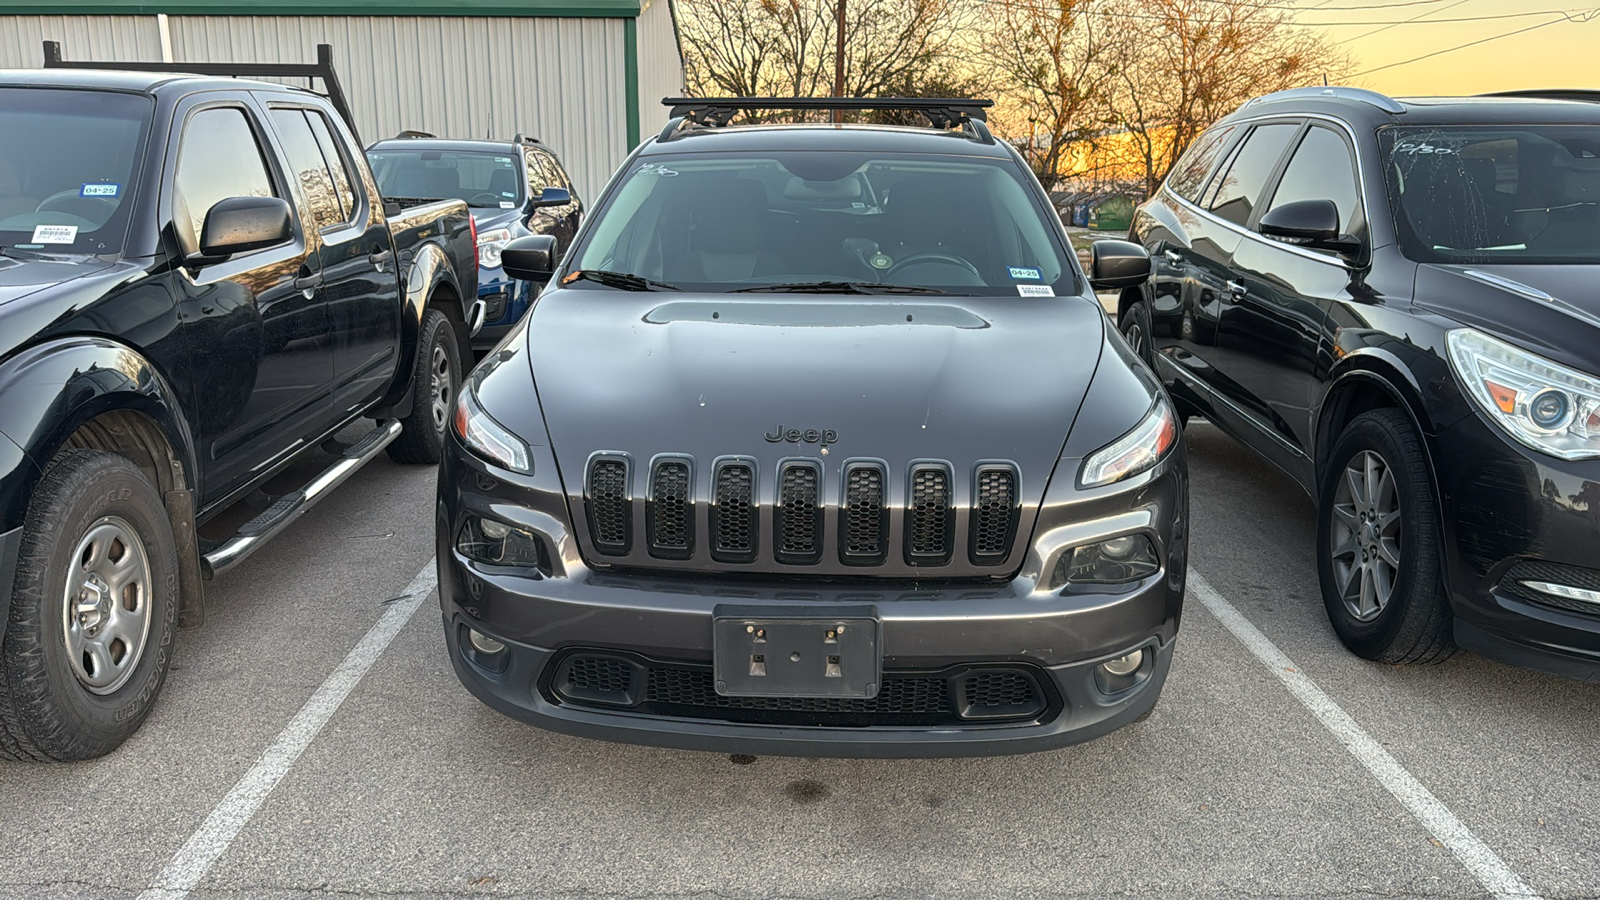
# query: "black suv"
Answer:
x=514 y=188
x=1394 y=302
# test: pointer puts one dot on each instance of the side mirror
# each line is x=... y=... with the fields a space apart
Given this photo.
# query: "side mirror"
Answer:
x=1308 y=223
x=552 y=197
x=1114 y=265
x=530 y=258
x=240 y=224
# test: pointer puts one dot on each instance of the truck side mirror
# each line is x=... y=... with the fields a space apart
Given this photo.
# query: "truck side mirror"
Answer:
x=552 y=196
x=1114 y=265
x=240 y=224
x=530 y=258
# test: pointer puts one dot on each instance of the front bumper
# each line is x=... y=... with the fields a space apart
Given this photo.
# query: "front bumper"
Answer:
x=1507 y=508
x=506 y=301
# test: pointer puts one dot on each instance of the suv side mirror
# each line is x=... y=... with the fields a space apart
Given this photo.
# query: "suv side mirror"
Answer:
x=552 y=196
x=1114 y=265
x=1308 y=223
x=240 y=224
x=530 y=258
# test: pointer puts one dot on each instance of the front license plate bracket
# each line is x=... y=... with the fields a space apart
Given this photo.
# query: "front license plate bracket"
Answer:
x=772 y=652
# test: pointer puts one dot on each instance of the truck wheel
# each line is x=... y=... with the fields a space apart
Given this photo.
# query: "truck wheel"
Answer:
x=1378 y=540
x=434 y=383
x=94 y=611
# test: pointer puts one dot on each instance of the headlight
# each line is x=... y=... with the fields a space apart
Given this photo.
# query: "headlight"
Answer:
x=484 y=435
x=1117 y=560
x=1540 y=403
x=1137 y=451
x=499 y=544
x=490 y=243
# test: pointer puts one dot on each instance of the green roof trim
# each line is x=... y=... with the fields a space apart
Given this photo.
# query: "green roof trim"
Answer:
x=607 y=9
x=630 y=91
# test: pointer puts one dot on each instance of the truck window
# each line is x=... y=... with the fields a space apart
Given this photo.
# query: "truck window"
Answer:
x=218 y=158
x=310 y=169
x=343 y=179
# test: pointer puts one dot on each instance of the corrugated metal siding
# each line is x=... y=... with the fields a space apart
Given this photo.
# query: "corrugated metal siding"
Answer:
x=660 y=65
x=561 y=80
x=85 y=37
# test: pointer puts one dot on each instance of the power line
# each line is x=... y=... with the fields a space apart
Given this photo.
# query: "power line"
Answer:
x=1026 y=6
x=1566 y=17
x=1367 y=34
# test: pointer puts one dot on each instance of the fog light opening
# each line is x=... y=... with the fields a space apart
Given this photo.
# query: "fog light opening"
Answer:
x=1124 y=673
x=484 y=644
x=1124 y=666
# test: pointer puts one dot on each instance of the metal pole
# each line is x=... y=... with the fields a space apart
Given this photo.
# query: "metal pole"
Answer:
x=838 y=57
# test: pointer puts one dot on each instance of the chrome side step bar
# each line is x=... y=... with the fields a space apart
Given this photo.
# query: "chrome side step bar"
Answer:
x=254 y=534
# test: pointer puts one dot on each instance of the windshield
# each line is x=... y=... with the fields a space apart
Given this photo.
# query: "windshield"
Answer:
x=483 y=180
x=724 y=222
x=1502 y=194
x=68 y=160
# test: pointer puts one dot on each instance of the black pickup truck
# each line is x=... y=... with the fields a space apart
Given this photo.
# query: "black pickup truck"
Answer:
x=202 y=294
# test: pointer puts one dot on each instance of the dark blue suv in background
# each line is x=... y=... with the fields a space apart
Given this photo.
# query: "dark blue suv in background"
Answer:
x=514 y=188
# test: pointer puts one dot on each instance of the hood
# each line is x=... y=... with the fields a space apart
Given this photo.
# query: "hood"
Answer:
x=21 y=277
x=1552 y=309
x=769 y=377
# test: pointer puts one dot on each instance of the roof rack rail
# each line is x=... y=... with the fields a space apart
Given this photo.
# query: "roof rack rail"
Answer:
x=716 y=112
x=322 y=68
x=1361 y=95
x=1580 y=95
x=412 y=133
x=526 y=139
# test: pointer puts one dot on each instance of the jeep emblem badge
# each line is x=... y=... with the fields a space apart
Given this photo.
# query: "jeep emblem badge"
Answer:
x=795 y=435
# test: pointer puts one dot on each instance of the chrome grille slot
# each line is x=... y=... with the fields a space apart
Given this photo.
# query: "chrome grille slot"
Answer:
x=669 y=509
x=798 y=514
x=863 y=520
x=995 y=511
x=610 y=507
x=930 y=518
x=733 y=511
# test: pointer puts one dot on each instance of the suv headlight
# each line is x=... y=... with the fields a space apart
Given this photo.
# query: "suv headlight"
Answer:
x=1137 y=451
x=481 y=433
x=1540 y=403
x=490 y=243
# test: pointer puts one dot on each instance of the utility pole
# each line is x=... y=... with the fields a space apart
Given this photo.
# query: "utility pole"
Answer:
x=838 y=56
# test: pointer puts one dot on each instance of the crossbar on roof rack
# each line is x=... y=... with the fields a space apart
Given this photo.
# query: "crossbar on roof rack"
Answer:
x=1576 y=94
x=322 y=68
x=716 y=112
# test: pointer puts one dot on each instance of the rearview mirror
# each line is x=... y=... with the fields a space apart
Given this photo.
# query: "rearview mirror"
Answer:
x=1114 y=265
x=1308 y=223
x=552 y=196
x=530 y=258
x=240 y=224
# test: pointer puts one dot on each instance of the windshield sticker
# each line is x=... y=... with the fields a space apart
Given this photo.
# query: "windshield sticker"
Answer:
x=1422 y=148
x=507 y=204
x=656 y=169
x=55 y=234
x=880 y=261
x=1020 y=273
x=100 y=190
x=1036 y=290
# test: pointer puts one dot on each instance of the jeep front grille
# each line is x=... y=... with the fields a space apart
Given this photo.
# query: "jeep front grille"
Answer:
x=799 y=513
x=733 y=512
x=609 y=505
x=930 y=518
x=994 y=513
x=863 y=519
x=671 y=514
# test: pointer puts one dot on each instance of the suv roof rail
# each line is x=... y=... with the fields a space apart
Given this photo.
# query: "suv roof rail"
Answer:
x=322 y=68
x=526 y=139
x=1580 y=95
x=942 y=112
x=412 y=133
x=1360 y=95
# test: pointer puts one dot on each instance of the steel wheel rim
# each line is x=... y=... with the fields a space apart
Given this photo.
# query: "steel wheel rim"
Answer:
x=106 y=616
x=1365 y=538
x=441 y=386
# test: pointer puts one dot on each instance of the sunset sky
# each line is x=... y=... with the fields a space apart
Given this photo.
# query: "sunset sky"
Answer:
x=1561 y=54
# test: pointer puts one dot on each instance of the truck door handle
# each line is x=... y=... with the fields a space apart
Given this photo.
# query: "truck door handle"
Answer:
x=307 y=284
x=380 y=258
x=1173 y=256
x=1236 y=291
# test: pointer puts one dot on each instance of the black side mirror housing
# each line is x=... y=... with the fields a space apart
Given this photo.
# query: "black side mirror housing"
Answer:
x=552 y=196
x=1114 y=265
x=530 y=258
x=1308 y=223
x=241 y=224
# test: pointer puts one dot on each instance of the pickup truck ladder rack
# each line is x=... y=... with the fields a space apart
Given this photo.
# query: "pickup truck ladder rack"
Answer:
x=322 y=68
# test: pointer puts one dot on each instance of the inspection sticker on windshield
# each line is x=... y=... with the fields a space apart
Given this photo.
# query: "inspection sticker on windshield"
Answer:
x=1036 y=290
x=1019 y=273
x=507 y=204
x=55 y=234
x=100 y=190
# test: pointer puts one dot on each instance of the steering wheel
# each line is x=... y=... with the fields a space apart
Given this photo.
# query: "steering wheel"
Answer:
x=494 y=199
x=934 y=256
x=51 y=203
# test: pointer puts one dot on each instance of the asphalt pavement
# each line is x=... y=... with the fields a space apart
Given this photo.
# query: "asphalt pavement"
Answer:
x=312 y=741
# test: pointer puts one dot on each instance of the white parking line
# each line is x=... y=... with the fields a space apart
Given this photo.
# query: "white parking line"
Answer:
x=1484 y=864
x=195 y=858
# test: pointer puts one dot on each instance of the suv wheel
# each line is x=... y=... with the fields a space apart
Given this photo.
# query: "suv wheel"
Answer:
x=94 y=611
x=1135 y=328
x=1378 y=543
x=434 y=383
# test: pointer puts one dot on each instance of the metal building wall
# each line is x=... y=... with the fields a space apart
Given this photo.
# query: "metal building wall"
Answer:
x=660 y=64
x=87 y=37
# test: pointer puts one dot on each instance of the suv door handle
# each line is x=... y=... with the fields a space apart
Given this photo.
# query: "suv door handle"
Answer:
x=1236 y=291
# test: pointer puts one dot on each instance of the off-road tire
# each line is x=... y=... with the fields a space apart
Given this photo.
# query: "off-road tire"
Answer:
x=46 y=712
x=1415 y=625
x=422 y=434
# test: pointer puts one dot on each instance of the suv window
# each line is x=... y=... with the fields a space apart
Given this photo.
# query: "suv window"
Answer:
x=310 y=169
x=219 y=158
x=1189 y=175
x=1236 y=193
x=1321 y=169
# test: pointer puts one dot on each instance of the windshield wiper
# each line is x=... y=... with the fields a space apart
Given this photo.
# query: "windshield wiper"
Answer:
x=620 y=280
x=837 y=287
x=19 y=253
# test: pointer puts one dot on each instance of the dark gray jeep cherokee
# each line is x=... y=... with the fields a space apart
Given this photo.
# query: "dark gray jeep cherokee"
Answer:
x=818 y=443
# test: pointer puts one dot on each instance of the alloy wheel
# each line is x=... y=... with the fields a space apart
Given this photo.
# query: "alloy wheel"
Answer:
x=106 y=616
x=442 y=386
x=1365 y=537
